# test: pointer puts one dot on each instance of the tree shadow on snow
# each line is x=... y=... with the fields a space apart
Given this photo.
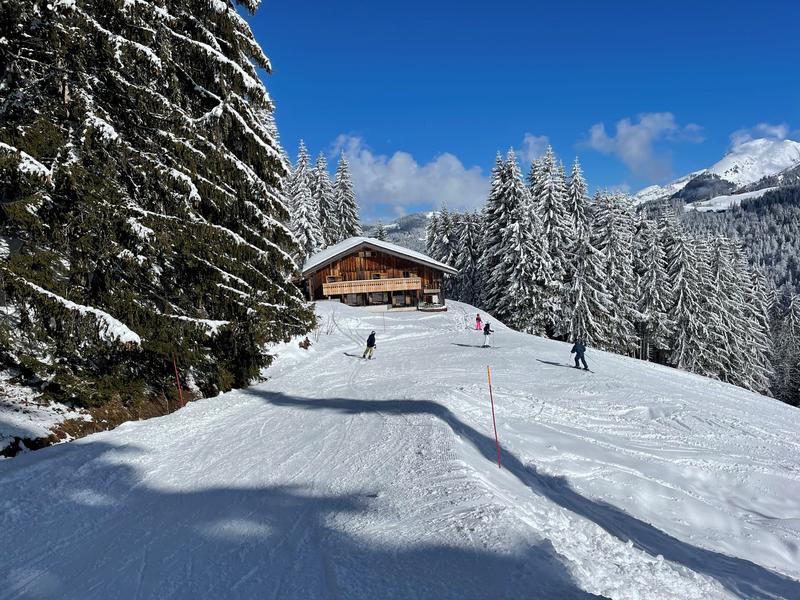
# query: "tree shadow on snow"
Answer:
x=742 y=577
x=468 y=345
x=82 y=523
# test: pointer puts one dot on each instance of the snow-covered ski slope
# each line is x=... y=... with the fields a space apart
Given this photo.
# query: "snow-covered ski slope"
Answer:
x=346 y=478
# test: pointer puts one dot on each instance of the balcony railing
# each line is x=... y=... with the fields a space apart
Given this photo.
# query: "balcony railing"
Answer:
x=361 y=286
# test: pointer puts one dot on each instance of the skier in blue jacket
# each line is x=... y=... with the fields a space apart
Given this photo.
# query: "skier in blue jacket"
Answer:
x=578 y=350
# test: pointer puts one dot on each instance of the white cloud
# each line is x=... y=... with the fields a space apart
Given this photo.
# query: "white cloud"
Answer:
x=399 y=181
x=634 y=142
x=533 y=146
x=762 y=130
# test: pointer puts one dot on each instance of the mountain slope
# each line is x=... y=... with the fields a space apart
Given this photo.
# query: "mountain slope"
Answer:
x=347 y=478
x=750 y=161
x=749 y=166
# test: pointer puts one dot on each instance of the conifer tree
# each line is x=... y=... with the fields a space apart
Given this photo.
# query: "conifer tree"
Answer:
x=688 y=346
x=322 y=193
x=431 y=231
x=468 y=260
x=445 y=245
x=577 y=200
x=305 y=211
x=613 y=236
x=727 y=323
x=586 y=310
x=380 y=231
x=786 y=359
x=653 y=290
x=144 y=184
x=345 y=201
x=514 y=246
x=496 y=219
x=549 y=197
x=757 y=367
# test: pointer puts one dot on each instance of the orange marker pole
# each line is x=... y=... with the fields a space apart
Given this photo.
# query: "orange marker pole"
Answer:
x=177 y=378
x=494 y=421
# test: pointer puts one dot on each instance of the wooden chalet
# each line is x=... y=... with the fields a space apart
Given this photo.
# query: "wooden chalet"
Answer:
x=367 y=272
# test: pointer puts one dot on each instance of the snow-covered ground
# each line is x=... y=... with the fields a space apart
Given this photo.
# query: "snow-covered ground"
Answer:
x=346 y=478
x=24 y=414
x=719 y=203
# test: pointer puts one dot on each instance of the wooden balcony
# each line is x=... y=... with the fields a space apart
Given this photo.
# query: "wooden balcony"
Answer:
x=361 y=286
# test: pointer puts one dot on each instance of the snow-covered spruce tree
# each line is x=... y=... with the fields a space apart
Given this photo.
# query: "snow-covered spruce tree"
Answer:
x=577 y=201
x=786 y=359
x=446 y=246
x=380 y=231
x=140 y=194
x=586 y=310
x=344 y=198
x=496 y=219
x=446 y=240
x=758 y=366
x=653 y=290
x=688 y=346
x=468 y=260
x=430 y=235
x=505 y=290
x=520 y=257
x=549 y=195
x=726 y=322
x=322 y=192
x=613 y=236
x=305 y=211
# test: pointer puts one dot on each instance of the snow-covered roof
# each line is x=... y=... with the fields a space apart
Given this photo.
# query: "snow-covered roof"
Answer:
x=320 y=259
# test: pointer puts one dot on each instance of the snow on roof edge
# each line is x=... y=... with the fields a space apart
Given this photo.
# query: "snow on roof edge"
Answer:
x=332 y=252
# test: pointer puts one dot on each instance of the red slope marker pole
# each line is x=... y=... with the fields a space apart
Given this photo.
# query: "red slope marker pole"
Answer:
x=494 y=421
x=177 y=378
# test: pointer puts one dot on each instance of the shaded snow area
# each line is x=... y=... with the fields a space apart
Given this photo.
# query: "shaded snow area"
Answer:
x=346 y=478
x=720 y=203
x=23 y=414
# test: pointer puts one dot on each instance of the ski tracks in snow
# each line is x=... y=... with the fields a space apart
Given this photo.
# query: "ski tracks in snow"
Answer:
x=348 y=478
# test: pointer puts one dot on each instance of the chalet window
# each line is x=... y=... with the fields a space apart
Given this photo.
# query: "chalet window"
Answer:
x=365 y=254
x=376 y=275
x=407 y=274
x=332 y=279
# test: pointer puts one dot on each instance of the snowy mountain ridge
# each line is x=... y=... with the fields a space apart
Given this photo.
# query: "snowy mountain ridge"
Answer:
x=743 y=169
x=342 y=477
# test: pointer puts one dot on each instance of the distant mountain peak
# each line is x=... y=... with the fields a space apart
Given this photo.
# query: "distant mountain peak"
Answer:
x=743 y=165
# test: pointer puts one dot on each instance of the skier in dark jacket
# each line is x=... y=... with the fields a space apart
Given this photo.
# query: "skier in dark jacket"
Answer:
x=578 y=350
x=370 y=346
x=487 y=331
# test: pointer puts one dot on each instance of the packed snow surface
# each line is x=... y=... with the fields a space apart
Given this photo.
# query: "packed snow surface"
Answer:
x=346 y=478
x=720 y=203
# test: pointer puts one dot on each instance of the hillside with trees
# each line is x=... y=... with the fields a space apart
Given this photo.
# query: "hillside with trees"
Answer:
x=142 y=208
x=549 y=260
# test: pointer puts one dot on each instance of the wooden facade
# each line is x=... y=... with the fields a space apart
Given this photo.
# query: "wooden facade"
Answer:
x=370 y=276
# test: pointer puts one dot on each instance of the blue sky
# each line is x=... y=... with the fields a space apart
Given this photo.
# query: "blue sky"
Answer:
x=423 y=94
